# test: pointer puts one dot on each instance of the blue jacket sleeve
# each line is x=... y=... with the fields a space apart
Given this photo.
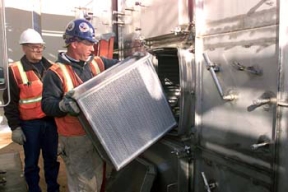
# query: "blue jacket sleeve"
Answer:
x=109 y=62
x=52 y=94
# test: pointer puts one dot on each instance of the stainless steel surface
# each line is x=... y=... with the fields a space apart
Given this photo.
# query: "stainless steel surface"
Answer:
x=282 y=104
x=101 y=16
x=138 y=176
x=211 y=68
x=187 y=71
x=229 y=126
x=238 y=37
x=167 y=15
x=126 y=109
x=282 y=96
x=176 y=71
x=225 y=174
x=173 y=161
x=170 y=17
x=256 y=146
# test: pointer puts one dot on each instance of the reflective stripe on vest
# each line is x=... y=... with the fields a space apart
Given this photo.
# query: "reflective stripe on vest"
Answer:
x=67 y=77
x=94 y=63
x=22 y=72
x=69 y=125
x=33 y=100
x=25 y=81
x=30 y=94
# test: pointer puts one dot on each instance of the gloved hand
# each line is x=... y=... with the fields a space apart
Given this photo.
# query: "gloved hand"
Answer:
x=140 y=53
x=18 y=136
x=60 y=149
x=69 y=105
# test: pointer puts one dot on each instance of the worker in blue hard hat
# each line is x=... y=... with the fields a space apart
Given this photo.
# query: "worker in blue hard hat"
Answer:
x=83 y=163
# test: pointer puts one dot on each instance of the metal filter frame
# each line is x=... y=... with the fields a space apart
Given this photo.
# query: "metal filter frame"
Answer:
x=124 y=110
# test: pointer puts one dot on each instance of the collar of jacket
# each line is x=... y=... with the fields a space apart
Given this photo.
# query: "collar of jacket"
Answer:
x=27 y=66
x=62 y=58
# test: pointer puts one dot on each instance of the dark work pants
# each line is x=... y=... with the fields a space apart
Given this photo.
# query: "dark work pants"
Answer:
x=41 y=135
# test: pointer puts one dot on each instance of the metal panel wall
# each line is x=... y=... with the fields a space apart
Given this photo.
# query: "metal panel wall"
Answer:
x=229 y=176
x=141 y=20
x=160 y=17
x=173 y=160
x=237 y=60
x=282 y=155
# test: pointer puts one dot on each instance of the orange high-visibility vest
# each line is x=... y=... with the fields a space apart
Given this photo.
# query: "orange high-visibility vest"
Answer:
x=69 y=125
x=105 y=47
x=30 y=92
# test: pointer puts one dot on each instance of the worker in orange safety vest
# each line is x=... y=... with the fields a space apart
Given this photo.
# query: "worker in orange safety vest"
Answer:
x=83 y=163
x=29 y=124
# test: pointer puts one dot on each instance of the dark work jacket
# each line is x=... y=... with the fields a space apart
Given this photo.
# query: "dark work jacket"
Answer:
x=52 y=86
x=11 y=111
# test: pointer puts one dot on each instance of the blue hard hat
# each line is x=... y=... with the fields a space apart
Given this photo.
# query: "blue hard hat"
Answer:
x=79 y=29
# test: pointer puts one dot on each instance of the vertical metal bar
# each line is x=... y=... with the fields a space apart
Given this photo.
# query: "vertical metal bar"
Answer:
x=120 y=33
x=36 y=15
x=280 y=131
x=4 y=53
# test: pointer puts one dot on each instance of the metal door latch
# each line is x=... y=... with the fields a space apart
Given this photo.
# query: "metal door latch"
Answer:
x=263 y=141
x=208 y=186
x=282 y=104
x=227 y=97
x=267 y=99
x=258 y=145
x=255 y=70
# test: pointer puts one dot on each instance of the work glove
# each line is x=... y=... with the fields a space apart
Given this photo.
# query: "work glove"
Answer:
x=69 y=105
x=60 y=148
x=140 y=53
x=18 y=136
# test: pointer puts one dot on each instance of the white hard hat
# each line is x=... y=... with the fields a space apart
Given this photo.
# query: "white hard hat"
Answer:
x=30 y=36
